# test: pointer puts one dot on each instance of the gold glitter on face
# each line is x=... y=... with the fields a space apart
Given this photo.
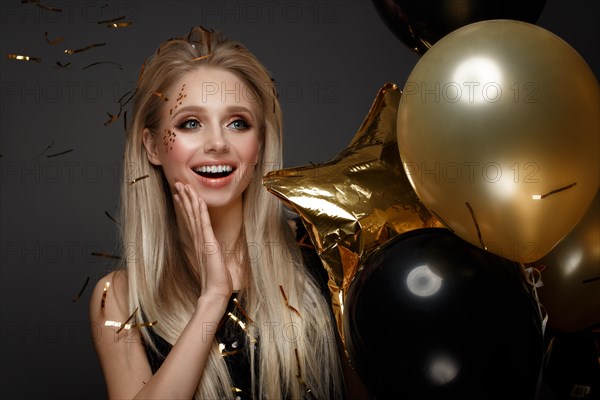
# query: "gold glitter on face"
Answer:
x=169 y=139
x=179 y=100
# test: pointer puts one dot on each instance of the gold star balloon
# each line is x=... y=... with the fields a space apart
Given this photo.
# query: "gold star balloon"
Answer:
x=358 y=200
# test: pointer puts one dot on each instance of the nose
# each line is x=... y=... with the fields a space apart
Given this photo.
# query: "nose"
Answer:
x=216 y=142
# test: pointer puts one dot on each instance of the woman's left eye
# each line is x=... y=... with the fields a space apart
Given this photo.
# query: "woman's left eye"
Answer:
x=239 y=124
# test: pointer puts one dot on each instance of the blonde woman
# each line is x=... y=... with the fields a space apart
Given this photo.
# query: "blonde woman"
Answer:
x=222 y=305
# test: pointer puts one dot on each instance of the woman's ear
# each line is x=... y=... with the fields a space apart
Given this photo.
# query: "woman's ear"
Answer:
x=150 y=145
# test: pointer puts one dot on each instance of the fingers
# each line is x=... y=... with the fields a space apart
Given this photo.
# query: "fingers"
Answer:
x=188 y=203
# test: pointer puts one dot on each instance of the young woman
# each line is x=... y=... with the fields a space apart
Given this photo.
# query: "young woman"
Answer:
x=214 y=300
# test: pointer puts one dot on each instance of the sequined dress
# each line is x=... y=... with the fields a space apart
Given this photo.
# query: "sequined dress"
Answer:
x=233 y=343
x=231 y=336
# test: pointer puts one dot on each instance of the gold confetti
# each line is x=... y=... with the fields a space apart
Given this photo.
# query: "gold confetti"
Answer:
x=45 y=7
x=239 y=307
x=45 y=150
x=127 y=326
x=237 y=321
x=53 y=42
x=108 y=21
x=201 y=57
x=104 y=292
x=103 y=62
x=91 y=46
x=165 y=98
x=127 y=321
x=299 y=376
x=59 y=154
x=105 y=255
x=285 y=299
x=138 y=179
x=19 y=57
x=81 y=291
x=111 y=217
x=120 y=24
x=112 y=118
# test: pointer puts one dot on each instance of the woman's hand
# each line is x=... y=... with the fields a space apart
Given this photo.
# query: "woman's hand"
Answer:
x=214 y=275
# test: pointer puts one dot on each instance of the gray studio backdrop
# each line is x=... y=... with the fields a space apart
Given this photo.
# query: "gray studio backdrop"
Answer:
x=61 y=166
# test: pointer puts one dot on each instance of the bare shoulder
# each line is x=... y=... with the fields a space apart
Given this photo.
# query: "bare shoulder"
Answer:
x=119 y=347
x=109 y=297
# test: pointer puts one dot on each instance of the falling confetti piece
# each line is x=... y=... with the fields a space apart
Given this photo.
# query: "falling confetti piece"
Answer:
x=61 y=65
x=103 y=62
x=19 y=57
x=59 y=154
x=45 y=150
x=111 y=217
x=91 y=46
x=45 y=7
x=81 y=291
x=106 y=255
x=53 y=42
x=108 y=21
x=120 y=24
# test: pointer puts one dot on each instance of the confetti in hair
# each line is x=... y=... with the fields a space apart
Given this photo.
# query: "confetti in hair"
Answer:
x=287 y=303
x=138 y=179
x=159 y=94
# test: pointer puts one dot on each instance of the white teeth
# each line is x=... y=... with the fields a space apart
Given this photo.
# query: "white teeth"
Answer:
x=213 y=169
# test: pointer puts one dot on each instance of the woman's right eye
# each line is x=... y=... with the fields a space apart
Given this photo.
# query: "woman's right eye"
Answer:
x=189 y=124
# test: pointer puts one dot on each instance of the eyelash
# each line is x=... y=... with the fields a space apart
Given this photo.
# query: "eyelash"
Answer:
x=185 y=124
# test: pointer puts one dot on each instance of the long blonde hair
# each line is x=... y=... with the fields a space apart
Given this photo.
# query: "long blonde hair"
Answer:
x=162 y=283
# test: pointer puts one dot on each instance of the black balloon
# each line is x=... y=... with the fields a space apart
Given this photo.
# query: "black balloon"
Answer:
x=421 y=23
x=430 y=316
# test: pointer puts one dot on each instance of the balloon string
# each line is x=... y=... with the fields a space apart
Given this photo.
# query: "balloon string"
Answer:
x=476 y=225
x=534 y=278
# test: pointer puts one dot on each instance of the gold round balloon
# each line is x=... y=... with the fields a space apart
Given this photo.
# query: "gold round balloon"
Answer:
x=499 y=133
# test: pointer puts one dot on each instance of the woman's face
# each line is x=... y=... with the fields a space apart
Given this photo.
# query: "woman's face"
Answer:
x=208 y=136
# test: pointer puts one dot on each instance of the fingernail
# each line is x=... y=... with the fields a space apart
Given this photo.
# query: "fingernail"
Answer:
x=178 y=187
x=177 y=199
